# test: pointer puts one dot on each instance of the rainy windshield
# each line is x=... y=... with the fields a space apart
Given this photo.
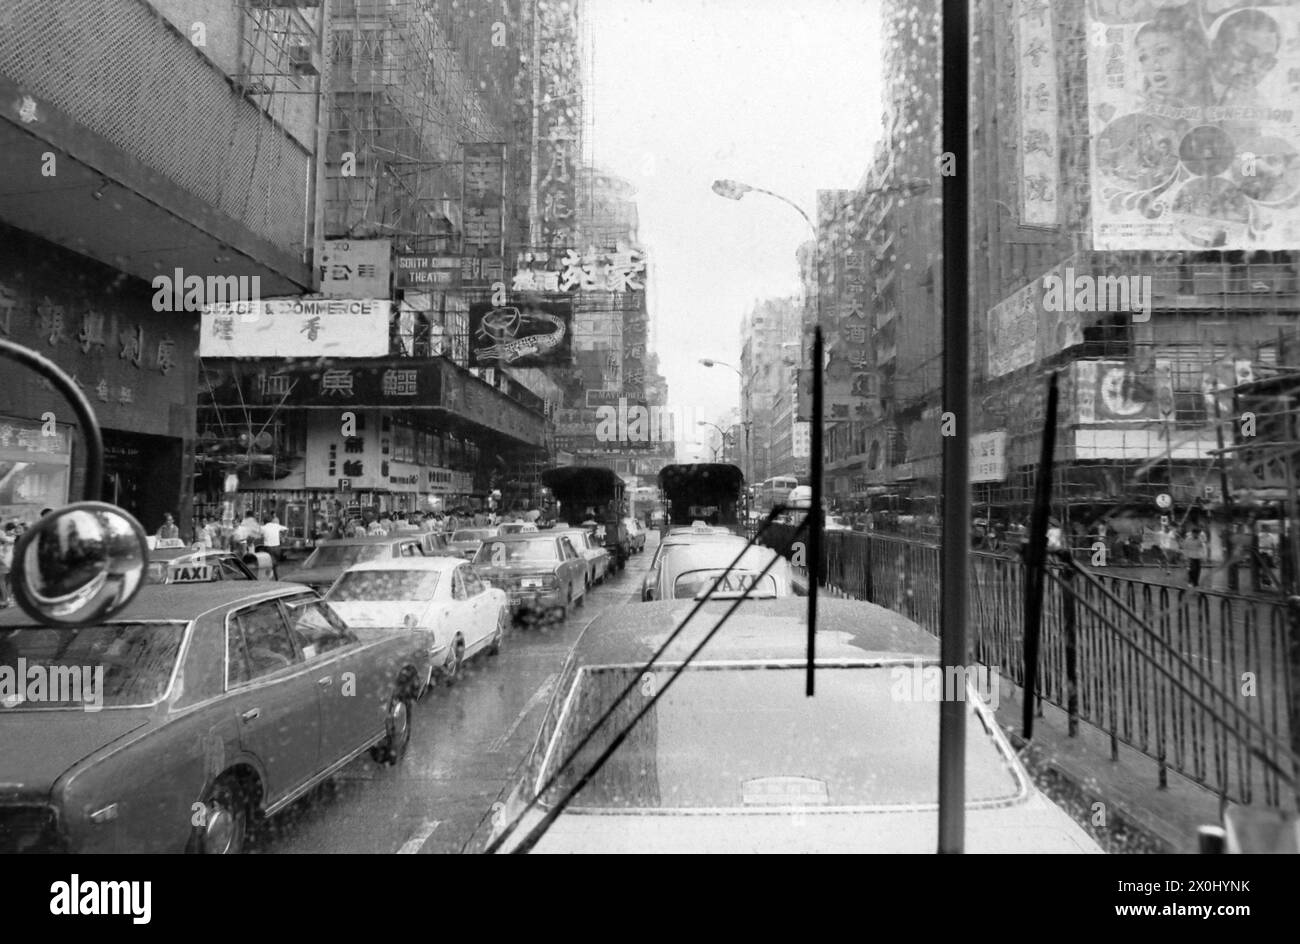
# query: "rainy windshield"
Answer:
x=750 y=737
x=111 y=666
x=983 y=315
x=359 y=586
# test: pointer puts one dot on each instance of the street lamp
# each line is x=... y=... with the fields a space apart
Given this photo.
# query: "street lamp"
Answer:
x=710 y=362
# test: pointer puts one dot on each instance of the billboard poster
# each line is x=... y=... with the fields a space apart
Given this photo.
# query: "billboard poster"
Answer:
x=1030 y=325
x=296 y=327
x=1194 y=124
x=528 y=334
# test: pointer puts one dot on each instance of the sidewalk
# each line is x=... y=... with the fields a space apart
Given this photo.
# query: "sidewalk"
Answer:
x=1138 y=815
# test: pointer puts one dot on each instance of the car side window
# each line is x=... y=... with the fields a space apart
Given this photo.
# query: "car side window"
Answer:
x=458 y=584
x=316 y=628
x=473 y=586
x=231 y=569
x=266 y=639
x=411 y=550
x=237 y=671
x=567 y=548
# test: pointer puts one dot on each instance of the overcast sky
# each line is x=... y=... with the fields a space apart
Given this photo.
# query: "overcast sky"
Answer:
x=777 y=94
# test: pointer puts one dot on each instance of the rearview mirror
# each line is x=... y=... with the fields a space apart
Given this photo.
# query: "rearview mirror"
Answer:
x=80 y=564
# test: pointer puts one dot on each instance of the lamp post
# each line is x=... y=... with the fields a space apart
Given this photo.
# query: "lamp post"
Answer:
x=726 y=437
x=746 y=466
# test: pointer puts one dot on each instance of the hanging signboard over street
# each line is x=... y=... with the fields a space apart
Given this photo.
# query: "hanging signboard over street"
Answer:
x=427 y=271
x=354 y=268
x=296 y=327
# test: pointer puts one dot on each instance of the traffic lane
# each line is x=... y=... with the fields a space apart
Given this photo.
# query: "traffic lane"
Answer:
x=467 y=741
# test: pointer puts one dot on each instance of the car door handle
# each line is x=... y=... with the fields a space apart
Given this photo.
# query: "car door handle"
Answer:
x=252 y=714
x=327 y=680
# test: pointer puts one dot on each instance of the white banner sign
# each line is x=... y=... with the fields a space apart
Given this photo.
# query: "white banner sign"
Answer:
x=296 y=327
x=1040 y=168
x=988 y=457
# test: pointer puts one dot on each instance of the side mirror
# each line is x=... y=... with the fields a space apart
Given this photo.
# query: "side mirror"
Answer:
x=80 y=564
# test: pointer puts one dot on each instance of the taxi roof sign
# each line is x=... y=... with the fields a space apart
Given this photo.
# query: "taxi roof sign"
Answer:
x=193 y=573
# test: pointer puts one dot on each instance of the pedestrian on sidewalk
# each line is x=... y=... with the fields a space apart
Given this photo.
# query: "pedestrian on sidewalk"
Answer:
x=1193 y=548
x=8 y=538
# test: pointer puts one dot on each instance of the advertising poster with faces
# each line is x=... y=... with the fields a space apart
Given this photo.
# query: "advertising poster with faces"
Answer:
x=1194 y=121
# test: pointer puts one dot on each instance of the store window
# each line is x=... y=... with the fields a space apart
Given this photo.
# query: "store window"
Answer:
x=34 y=468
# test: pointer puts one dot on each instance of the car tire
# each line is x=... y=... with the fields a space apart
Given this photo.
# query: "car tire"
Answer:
x=455 y=662
x=226 y=816
x=398 y=725
x=503 y=622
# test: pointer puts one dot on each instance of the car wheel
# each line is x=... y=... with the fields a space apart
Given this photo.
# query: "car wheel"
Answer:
x=398 y=724
x=225 y=820
x=455 y=659
x=503 y=621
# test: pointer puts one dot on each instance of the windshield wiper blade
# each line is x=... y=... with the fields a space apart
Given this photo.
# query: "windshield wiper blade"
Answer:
x=536 y=833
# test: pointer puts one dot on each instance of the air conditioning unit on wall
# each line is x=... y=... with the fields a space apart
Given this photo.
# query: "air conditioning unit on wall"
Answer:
x=302 y=58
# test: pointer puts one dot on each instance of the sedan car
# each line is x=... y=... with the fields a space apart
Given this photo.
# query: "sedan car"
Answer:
x=441 y=596
x=735 y=758
x=195 y=565
x=209 y=705
x=331 y=558
x=466 y=542
x=678 y=539
x=689 y=571
x=599 y=562
x=540 y=573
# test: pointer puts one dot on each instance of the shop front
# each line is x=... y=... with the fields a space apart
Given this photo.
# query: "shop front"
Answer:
x=137 y=367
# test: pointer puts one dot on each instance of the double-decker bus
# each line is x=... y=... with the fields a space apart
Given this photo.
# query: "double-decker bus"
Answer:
x=703 y=491
x=593 y=493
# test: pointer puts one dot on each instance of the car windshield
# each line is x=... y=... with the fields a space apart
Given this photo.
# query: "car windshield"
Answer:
x=345 y=555
x=748 y=736
x=505 y=552
x=111 y=665
x=380 y=585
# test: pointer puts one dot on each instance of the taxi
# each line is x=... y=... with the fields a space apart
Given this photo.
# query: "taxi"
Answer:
x=171 y=565
x=735 y=758
x=191 y=712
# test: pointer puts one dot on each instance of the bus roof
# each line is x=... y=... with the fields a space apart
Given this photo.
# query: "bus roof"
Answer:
x=582 y=482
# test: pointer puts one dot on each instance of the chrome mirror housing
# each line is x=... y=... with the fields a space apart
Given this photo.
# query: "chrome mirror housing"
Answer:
x=79 y=564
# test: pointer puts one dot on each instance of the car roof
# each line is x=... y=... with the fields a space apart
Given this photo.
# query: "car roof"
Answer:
x=773 y=629
x=372 y=539
x=179 y=602
x=410 y=563
x=713 y=554
x=528 y=536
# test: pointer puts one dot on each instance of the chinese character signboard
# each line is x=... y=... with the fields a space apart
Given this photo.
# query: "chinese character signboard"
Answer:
x=621 y=271
x=526 y=335
x=354 y=268
x=296 y=327
x=559 y=146
x=988 y=457
x=1021 y=329
x=1193 y=124
x=1037 y=109
x=483 y=199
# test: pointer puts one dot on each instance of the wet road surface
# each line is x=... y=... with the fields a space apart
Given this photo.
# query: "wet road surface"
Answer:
x=466 y=742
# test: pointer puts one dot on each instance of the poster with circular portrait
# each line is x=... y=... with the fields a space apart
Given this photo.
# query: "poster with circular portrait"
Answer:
x=1194 y=124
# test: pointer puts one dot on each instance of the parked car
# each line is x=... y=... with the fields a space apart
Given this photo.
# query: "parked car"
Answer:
x=440 y=596
x=635 y=534
x=466 y=541
x=854 y=770
x=190 y=565
x=540 y=573
x=688 y=571
x=331 y=558
x=600 y=563
x=216 y=703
